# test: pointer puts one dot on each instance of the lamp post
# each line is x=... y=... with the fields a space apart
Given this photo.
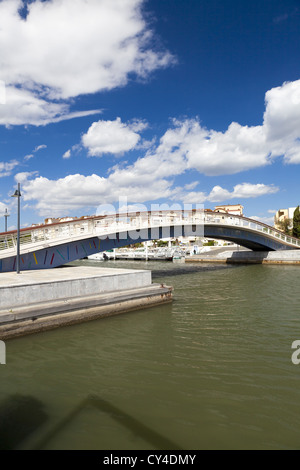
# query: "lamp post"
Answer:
x=18 y=195
x=6 y=214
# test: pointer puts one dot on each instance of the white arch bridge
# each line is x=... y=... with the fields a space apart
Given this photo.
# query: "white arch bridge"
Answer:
x=48 y=246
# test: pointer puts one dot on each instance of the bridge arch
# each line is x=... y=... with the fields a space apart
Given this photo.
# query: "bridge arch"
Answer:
x=49 y=246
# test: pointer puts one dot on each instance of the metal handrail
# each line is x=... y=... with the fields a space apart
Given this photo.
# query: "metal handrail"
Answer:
x=102 y=225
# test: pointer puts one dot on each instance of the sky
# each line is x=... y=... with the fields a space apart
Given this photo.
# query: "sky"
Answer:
x=148 y=102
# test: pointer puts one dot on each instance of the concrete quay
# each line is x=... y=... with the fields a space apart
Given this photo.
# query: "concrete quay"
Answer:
x=34 y=301
x=283 y=257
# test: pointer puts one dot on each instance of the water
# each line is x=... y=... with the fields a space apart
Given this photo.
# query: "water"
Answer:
x=212 y=370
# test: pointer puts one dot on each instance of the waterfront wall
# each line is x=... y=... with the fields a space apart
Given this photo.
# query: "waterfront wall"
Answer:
x=37 y=301
x=249 y=257
x=67 y=283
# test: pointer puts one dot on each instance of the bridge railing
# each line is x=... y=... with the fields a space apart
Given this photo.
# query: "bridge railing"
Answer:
x=45 y=235
x=233 y=220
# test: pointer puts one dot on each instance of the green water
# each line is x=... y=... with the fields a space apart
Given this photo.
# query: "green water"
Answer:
x=212 y=370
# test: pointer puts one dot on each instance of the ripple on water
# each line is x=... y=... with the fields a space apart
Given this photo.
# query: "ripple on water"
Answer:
x=211 y=370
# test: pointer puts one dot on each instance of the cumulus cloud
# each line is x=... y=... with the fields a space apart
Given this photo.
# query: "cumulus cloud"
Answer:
x=112 y=137
x=282 y=121
x=240 y=191
x=76 y=192
x=189 y=145
x=186 y=145
x=65 y=48
x=23 y=176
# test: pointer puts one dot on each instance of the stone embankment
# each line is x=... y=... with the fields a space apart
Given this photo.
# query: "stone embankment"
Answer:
x=35 y=301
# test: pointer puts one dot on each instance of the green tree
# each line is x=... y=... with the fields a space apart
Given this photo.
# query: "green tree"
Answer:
x=296 y=223
x=162 y=243
x=209 y=243
x=285 y=225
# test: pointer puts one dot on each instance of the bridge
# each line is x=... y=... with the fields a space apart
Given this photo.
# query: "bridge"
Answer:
x=52 y=245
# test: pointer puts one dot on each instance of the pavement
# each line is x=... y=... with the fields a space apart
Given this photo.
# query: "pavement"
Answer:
x=57 y=274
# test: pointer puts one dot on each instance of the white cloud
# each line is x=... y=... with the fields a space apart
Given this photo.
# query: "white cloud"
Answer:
x=24 y=107
x=36 y=149
x=188 y=145
x=264 y=220
x=2 y=209
x=185 y=146
x=65 y=48
x=191 y=186
x=7 y=168
x=67 y=154
x=282 y=115
x=219 y=194
x=28 y=157
x=76 y=192
x=282 y=121
x=39 y=147
x=23 y=176
x=240 y=191
x=112 y=137
x=192 y=197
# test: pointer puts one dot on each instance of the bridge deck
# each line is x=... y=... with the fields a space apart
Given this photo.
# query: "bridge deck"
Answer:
x=47 y=246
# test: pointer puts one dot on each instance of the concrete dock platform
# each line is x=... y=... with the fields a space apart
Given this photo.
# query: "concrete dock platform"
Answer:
x=287 y=257
x=35 y=301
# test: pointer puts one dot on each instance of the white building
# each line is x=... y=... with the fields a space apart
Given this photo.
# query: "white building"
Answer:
x=282 y=215
x=234 y=209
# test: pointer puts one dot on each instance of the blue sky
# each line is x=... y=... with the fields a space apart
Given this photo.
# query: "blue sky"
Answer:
x=158 y=101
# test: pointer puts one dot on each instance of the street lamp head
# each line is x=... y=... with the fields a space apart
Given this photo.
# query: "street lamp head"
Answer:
x=17 y=193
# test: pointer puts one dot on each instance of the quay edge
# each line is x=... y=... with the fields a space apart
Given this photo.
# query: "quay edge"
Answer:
x=51 y=305
x=284 y=257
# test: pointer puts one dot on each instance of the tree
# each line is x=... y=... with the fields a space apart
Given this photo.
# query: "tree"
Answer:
x=296 y=223
x=285 y=226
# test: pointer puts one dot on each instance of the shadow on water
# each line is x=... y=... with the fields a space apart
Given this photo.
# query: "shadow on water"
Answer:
x=177 y=271
x=20 y=416
x=158 y=269
x=135 y=426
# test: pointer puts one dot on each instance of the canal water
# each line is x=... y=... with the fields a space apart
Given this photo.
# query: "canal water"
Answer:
x=212 y=370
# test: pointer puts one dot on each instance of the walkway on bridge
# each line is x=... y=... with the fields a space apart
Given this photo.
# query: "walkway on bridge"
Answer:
x=48 y=246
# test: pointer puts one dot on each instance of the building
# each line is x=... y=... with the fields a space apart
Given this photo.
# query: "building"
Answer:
x=53 y=220
x=282 y=215
x=235 y=209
